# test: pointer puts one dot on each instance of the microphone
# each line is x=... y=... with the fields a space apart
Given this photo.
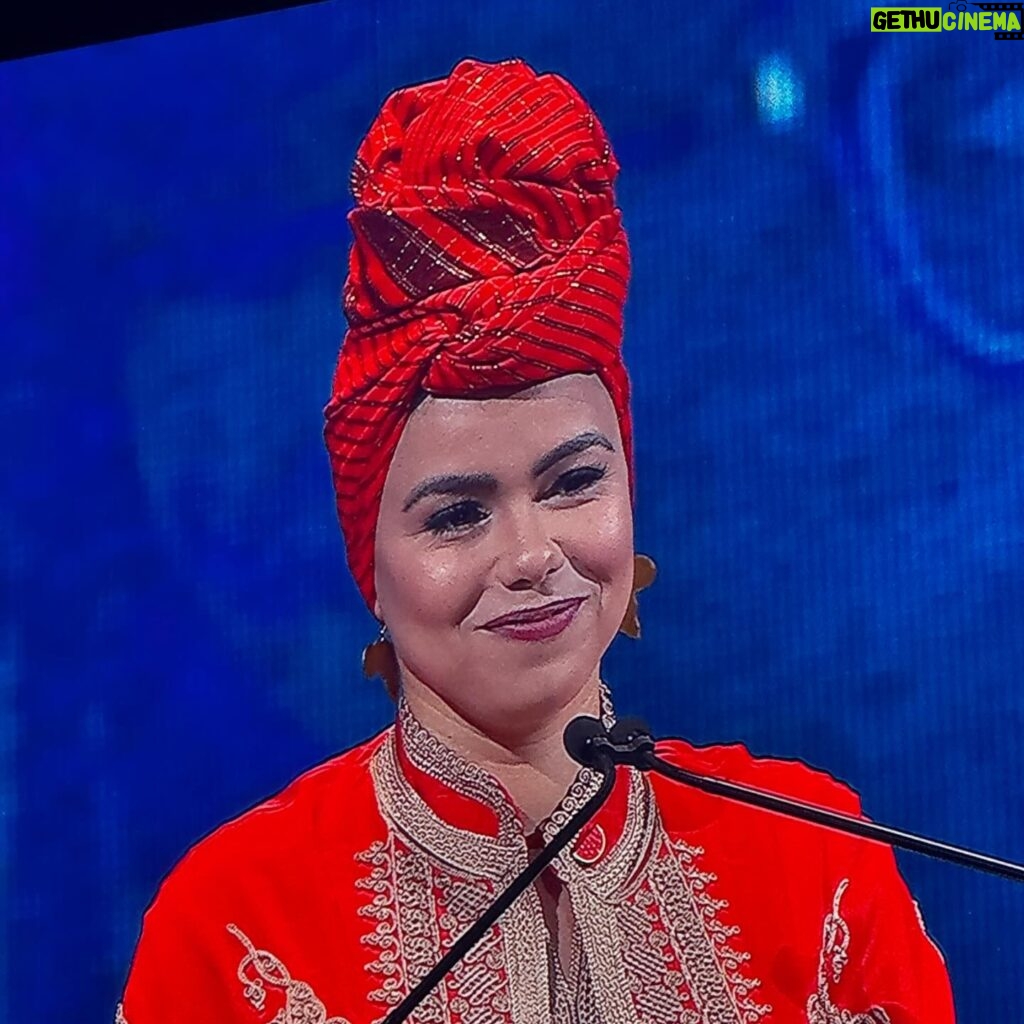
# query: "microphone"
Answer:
x=580 y=734
x=586 y=741
x=629 y=741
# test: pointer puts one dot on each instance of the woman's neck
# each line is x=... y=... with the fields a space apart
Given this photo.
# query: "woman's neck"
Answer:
x=533 y=767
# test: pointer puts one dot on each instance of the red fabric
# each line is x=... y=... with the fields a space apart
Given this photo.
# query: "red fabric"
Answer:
x=488 y=254
x=288 y=875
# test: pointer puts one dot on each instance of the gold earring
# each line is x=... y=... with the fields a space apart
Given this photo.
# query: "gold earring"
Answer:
x=379 y=660
x=644 y=572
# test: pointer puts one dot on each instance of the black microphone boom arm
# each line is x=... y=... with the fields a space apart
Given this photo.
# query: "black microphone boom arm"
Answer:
x=630 y=742
x=833 y=819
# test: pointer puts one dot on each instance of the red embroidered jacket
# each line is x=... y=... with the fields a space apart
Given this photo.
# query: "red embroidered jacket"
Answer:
x=328 y=902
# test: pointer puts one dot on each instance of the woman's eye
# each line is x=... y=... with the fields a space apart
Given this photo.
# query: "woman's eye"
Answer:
x=577 y=480
x=456 y=518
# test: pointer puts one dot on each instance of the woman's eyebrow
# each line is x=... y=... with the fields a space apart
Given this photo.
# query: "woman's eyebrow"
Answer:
x=579 y=443
x=487 y=483
x=452 y=483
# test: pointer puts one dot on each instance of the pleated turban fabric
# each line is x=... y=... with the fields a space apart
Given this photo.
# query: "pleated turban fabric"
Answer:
x=488 y=255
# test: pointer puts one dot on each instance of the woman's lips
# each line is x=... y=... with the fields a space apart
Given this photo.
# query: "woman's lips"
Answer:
x=541 y=625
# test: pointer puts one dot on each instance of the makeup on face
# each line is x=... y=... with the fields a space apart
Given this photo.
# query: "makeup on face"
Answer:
x=504 y=548
x=536 y=624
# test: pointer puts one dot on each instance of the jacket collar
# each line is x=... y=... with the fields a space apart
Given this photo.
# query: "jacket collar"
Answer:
x=459 y=813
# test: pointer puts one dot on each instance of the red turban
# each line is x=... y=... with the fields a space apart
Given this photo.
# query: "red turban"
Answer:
x=488 y=254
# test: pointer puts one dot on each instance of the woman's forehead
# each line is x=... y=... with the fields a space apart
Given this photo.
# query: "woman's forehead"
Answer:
x=445 y=429
x=574 y=393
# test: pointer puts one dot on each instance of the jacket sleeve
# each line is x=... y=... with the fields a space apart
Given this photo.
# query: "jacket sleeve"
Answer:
x=185 y=966
x=877 y=961
x=856 y=950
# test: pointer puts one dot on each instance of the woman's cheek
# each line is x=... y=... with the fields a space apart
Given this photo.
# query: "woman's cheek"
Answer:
x=449 y=582
x=608 y=539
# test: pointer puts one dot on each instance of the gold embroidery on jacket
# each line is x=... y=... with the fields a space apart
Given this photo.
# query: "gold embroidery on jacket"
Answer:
x=649 y=944
x=832 y=961
x=301 y=1006
x=692 y=911
x=659 y=949
x=429 y=883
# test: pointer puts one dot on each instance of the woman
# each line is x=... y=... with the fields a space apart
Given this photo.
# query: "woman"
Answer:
x=481 y=447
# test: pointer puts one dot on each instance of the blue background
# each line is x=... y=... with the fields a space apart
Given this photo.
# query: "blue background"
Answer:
x=826 y=339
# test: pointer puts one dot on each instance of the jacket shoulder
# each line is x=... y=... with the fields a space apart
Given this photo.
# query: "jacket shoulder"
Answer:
x=320 y=809
x=734 y=762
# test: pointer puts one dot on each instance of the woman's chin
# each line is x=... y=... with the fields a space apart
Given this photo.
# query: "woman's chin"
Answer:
x=526 y=703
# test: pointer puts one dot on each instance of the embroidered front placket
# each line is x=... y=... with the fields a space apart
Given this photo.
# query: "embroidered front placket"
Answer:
x=648 y=945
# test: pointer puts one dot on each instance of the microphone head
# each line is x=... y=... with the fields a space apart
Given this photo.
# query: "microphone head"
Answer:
x=579 y=738
x=630 y=729
x=631 y=742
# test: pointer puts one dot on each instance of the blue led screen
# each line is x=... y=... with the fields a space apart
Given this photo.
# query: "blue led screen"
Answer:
x=825 y=333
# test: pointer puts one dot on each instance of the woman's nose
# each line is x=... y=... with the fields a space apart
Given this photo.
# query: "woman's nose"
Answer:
x=529 y=552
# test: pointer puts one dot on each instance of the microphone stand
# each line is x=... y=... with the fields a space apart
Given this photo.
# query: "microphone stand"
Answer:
x=605 y=766
x=630 y=742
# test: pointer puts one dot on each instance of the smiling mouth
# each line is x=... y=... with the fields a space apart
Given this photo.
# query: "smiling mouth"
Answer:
x=534 y=615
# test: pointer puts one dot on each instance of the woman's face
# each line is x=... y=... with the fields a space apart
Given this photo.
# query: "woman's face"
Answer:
x=497 y=506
